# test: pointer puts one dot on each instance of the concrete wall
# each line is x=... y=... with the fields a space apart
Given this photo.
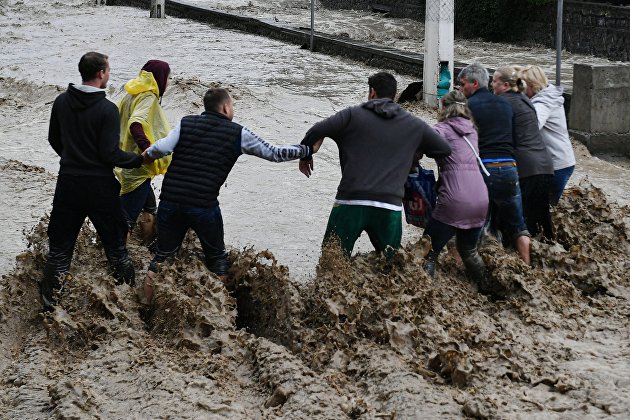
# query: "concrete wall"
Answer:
x=395 y=8
x=600 y=107
x=590 y=28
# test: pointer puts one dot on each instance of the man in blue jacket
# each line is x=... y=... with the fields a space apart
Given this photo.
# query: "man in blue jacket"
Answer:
x=84 y=131
x=493 y=117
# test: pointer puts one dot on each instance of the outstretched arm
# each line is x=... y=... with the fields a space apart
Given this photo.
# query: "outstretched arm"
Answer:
x=434 y=145
x=306 y=164
x=163 y=146
x=251 y=144
x=332 y=127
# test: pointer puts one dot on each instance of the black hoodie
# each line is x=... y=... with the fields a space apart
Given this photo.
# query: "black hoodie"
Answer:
x=85 y=131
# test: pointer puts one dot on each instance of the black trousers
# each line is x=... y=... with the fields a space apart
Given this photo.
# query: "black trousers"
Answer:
x=78 y=197
x=535 y=190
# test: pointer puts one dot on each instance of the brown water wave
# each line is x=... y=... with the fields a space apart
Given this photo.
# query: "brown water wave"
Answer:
x=365 y=338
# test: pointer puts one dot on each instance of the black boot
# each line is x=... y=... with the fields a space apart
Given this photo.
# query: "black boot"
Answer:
x=48 y=287
x=124 y=272
x=121 y=266
x=430 y=263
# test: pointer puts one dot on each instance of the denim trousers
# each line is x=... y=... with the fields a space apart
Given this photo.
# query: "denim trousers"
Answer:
x=174 y=220
x=505 y=215
x=558 y=182
x=142 y=198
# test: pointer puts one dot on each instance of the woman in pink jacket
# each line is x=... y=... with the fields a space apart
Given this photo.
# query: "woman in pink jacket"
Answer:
x=462 y=202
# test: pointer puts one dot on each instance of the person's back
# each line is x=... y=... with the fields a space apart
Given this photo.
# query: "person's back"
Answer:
x=493 y=117
x=82 y=134
x=208 y=147
x=462 y=195
x=552 y=121
x=84 y=131
x=205 y=148
x=377 y=141
x=531 y=154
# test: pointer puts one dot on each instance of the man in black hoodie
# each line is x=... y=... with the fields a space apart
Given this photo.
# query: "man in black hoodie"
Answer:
x=84 y=131
x=377 y=141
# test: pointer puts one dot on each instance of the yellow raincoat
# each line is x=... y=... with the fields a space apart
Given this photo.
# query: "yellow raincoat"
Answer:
x=141 y=105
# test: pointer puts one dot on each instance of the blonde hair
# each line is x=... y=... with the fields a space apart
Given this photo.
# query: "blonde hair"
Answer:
x=510 y=75
x=535 y=77
x=454 y=104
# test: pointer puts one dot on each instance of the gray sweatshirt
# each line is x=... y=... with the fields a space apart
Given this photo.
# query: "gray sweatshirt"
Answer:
x=549 y=104
x=377 y=141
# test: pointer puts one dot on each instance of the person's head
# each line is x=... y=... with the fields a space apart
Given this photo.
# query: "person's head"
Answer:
x=535 y=79
x=219 y=100
x=382 y=85
x=506 y=79
x=160 y=70
x=454 y=104
x=94 y=69
x=472 y=78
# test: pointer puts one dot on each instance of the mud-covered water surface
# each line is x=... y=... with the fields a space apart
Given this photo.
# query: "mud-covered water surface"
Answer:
x=363 y=339
x=282 y=338
x=403 y=34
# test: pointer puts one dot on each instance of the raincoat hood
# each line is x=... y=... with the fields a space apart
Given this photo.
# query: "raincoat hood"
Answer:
x=79 y=99
x=383 y=107
x=462 y=126
x=152 y=78
x=550 y=96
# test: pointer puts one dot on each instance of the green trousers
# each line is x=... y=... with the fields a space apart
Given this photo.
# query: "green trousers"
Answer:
x=347 y=222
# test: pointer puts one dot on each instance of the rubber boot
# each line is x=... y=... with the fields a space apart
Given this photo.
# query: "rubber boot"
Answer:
x=48 y=286
x=476 y=270
x=120 y=265
x=430 y=263
x=124 y=272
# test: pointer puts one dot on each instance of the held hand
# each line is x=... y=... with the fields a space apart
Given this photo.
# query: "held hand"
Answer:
x=317 y=144
x=146 y=158
x=306 y=167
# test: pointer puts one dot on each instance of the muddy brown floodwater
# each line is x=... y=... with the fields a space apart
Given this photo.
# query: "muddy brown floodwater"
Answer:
x=288 y=335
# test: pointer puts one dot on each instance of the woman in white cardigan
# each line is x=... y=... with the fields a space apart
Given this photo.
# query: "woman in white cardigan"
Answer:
x=549 y=104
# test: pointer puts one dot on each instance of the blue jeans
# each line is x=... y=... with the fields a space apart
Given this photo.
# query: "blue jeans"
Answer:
x=505 y=216
x=440 y=233
x=559 y=181
x=142 y=198
x=174 y=220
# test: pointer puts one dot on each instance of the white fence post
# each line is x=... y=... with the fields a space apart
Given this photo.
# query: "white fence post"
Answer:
x=158 y=9
x=439 y=34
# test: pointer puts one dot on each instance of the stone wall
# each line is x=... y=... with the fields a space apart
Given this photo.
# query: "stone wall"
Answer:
x=590 y=28
x=597 y=29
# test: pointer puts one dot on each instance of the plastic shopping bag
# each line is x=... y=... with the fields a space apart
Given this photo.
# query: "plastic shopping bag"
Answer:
x=420 y=197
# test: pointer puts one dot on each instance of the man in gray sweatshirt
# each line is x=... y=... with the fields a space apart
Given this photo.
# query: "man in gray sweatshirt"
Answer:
x=377 y=141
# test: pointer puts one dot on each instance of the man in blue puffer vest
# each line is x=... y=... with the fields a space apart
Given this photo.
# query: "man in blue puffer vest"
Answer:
x=205 y=148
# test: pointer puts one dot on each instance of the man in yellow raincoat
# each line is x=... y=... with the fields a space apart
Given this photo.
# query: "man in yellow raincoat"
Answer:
x=142 y=121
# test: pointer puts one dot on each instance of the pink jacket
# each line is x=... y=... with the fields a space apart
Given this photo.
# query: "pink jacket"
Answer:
x=462 y=199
